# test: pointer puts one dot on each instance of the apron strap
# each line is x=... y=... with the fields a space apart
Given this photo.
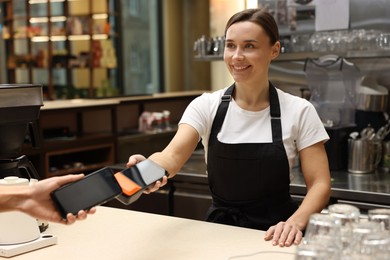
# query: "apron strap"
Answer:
x=222 y=109
x=276 y=123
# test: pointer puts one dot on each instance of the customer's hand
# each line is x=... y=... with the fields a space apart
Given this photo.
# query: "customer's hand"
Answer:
x=38 y=203
x=284 y=234
x=81 y=215
x=136 y=158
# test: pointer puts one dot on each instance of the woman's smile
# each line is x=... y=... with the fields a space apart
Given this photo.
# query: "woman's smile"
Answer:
x=240 y=68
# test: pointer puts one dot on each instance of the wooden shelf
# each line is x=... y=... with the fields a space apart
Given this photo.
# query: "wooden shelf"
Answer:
x=84 y=169
x=64 y=29
x=58 y=143
x=77 y=160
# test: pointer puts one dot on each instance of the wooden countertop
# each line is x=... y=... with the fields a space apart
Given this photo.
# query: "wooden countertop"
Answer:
x=124 y=234
x=75 y=103
x=85 y=102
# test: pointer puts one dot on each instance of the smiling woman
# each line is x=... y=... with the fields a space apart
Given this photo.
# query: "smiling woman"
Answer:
x=252 y=132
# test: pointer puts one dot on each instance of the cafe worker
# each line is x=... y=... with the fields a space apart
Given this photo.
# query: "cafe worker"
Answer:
x=252 y=133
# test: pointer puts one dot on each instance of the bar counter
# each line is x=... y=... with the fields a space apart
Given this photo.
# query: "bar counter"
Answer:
x=367 y=190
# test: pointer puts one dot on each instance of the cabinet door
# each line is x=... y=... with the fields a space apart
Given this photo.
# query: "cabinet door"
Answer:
x=191 y=200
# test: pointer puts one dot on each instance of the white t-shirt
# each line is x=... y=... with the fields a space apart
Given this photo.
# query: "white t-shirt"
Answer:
x=301 y=125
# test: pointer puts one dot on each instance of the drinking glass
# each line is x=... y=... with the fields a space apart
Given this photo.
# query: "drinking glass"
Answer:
x=382 y=216
x=322 y=225
x=323 y=231
x=313 y=251
x=359 y=231
x=300 y=42
x=347 y=214
x=383 y=41
x=376 y=245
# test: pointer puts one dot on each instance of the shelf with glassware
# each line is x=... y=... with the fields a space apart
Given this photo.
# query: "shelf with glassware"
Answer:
x=71 y=52
x=70 y=76
x=350 y=44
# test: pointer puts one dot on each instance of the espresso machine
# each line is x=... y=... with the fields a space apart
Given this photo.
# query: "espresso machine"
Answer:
x=332 y=83
x=19 y=113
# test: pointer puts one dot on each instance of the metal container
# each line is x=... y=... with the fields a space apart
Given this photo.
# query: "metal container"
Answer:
x=363 y=155
x=372 y=98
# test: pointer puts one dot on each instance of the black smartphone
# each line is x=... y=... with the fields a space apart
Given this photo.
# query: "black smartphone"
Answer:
x=94 y=189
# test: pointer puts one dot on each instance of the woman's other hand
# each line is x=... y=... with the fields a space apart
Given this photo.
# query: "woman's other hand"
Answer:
x=134 y=159
x=284 y=234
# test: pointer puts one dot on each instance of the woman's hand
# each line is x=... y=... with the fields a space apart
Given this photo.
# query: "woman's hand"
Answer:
x=136 y=158
x=284 y=234
x=157 y=185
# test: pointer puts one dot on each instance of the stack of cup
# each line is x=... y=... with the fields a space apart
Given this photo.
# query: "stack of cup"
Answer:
x=322 y=238
x=343 y=234
x=381 y=216
x=348 y=215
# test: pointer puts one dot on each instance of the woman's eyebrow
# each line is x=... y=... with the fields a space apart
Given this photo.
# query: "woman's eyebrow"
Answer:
x=230 y=40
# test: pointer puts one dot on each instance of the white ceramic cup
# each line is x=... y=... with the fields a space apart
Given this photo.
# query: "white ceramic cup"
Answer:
x=17 y=227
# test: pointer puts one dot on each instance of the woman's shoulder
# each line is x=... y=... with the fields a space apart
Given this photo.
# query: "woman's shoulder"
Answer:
x=216 y=93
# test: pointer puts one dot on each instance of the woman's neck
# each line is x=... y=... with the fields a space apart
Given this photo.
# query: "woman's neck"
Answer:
x=252 y=97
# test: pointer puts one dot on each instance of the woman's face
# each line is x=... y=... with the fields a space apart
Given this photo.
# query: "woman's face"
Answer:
x=248 y=52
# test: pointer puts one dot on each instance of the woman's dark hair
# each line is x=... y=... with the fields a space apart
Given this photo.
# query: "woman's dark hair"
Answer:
x=260 y=17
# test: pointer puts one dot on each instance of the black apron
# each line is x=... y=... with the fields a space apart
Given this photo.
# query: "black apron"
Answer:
x=249 y=182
